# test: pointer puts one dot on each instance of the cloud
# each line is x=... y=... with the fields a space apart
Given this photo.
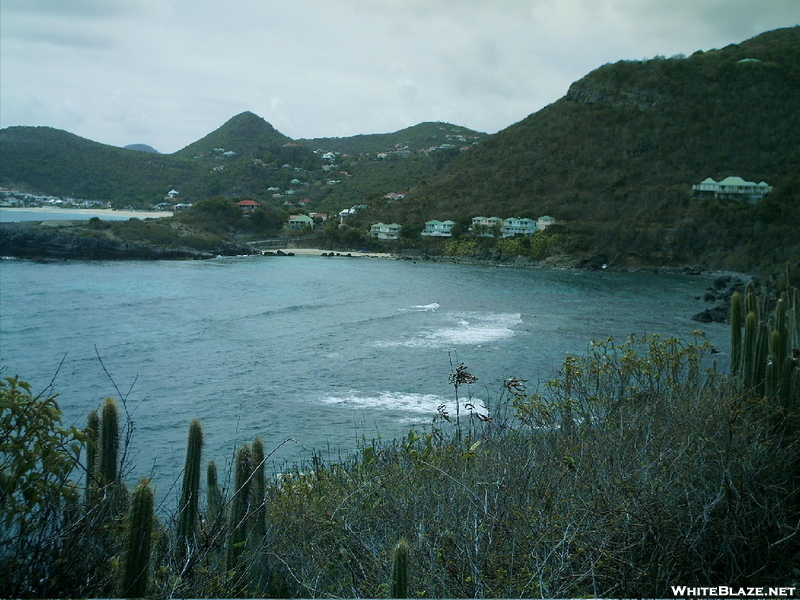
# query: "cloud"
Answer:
x=170 y=71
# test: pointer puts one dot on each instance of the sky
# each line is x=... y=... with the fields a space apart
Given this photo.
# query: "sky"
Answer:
x=168 y=72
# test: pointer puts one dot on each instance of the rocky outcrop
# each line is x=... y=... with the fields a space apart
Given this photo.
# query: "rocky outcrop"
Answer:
x=592 y=90
x=27 y=241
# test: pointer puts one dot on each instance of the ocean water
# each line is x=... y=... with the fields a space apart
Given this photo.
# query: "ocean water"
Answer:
x=309 y=353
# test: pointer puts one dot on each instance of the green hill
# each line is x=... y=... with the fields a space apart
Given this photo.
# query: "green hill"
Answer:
x=615 y=160
x=245 y=134
x=245 y=157
x=411 y=139
x=51 y=161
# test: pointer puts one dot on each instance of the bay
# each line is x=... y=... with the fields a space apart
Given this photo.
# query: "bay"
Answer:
x=310 y=353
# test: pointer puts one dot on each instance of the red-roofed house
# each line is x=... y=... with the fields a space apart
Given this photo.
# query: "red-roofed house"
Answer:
x=248 y=206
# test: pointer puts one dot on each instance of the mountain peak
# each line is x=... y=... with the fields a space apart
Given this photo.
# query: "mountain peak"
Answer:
x=244 y=133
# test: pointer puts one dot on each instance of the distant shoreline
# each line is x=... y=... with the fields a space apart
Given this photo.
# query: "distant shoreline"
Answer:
x=88 y=212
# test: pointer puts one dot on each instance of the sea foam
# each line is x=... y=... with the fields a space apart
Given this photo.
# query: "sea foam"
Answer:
x=454 y=329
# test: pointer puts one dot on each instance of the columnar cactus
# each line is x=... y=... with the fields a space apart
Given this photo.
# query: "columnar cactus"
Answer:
x=92 y=431
x=240 y=504
x=109 y=442
x=214 y=495
x=135 y=566
x=736 y=333
x=767 y=357
x=400 y=570
x=258 y=491
x=188 y=517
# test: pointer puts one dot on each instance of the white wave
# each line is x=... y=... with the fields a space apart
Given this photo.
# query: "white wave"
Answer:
x=399 y=401
x=470 y=329
x=423 y=307
x=418 y=404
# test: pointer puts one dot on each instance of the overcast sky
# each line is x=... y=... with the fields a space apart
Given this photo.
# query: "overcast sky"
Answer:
x=167 y=72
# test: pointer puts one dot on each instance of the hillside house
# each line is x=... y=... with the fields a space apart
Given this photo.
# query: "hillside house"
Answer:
x=248 y=206
x=544 y=222
x=436 y=228
x=300 y=222
x=486 y=226
x=516 y=226
x=733 y=188
x=384 y=231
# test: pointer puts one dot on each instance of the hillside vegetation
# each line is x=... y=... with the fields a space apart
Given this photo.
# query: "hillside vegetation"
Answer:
x=415 y=138
x=50 y=161
x=615 y=159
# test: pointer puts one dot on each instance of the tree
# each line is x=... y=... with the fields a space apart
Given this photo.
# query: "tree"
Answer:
x=37 y=459
x=37 y=455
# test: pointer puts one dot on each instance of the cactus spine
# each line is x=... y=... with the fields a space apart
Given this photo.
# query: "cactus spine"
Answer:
x=237 y=532
x=188 y=517
x=137 y=547
x=400 y=570
x=92 y=430
x=109 y=442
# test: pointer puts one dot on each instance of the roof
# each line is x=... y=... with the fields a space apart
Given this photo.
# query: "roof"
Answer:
x=733 y=180
x=248 y=203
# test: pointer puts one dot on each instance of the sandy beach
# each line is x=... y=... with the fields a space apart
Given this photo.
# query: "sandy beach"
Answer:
x=318 y=252
x=86 y=213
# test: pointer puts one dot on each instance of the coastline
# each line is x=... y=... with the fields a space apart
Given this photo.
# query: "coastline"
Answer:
x=338 y=253
x=89 y=212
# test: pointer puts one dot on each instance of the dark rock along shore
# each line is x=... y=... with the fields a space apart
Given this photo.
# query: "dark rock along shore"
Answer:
x=23 y=240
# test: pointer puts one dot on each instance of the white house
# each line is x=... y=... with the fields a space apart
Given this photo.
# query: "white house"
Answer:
x=731 y=188
x=516 y=226
x=485 y=226
x=438 y=228
x=544 y=222
x=297 y=222
x=384 y=231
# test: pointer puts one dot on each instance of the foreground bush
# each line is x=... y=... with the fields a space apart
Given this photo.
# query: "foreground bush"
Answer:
x=640 y=467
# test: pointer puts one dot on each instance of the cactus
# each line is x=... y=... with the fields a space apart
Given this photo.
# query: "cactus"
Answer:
x=213 y=493
x=137 y=546
x=400 y=570
x=188 y=517
x=109 y=442
x=752 y=303
x=748 y=348
x=92 y=431
x=258 y=491
x=237 y=532
x=767 y=357
x=736 y=333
